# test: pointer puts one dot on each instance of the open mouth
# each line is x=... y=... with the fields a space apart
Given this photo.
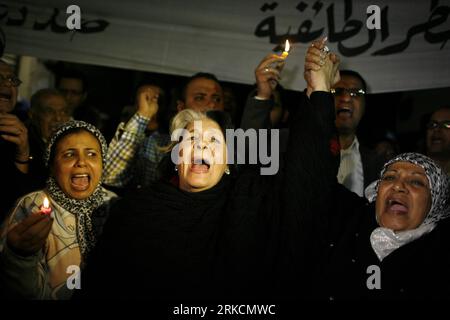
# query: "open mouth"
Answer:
x=5 y=96
x=397 y=206
x=80 y=182
x=200 y=165
x=344 y=111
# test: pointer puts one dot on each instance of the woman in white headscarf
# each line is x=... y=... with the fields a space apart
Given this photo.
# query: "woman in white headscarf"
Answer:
x=396 y=245
x=392 y=244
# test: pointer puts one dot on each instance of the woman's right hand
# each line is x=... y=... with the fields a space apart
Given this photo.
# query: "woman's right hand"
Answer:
x=321 y=68
x=29 y=235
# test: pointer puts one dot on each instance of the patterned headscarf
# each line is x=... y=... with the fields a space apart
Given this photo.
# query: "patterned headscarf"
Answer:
x=70 y=125
x=384 y=240
x=82 y=209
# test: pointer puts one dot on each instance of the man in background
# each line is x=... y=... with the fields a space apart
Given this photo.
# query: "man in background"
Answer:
x=14 y=145
x=438 y=137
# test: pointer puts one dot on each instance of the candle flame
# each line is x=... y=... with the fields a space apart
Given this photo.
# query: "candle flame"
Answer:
x=46 y=203
x=287 y=46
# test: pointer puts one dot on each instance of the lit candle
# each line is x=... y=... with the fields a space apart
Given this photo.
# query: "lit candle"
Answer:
x=286 y=49
x=45 y=208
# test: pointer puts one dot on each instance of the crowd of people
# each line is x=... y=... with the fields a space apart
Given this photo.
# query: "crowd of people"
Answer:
x=160 y=215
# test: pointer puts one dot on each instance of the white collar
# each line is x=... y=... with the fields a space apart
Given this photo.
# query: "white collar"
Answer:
x=353 y=147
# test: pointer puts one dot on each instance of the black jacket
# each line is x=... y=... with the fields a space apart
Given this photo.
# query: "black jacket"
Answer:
x=417 y=270
x=15 y=183
x=372 y=164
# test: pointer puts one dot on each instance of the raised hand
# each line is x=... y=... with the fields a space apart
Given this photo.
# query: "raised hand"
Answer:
x=13 y=130
x=147 y=98
x=267 y=75
x=321 y=67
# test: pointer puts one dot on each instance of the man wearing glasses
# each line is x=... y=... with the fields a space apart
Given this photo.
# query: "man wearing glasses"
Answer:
x=359 y=165
x=14 y=145
x=438 y=137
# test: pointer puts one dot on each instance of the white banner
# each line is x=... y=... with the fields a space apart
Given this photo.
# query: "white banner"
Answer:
x=408 y=51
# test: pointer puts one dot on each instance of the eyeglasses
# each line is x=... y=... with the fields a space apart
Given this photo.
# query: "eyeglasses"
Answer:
x=352 y=92
x=12 y=80
x=438 y=124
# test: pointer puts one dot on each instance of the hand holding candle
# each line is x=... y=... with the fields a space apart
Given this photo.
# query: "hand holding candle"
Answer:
x=29 y=235
x=45 y=208
x=267 y=73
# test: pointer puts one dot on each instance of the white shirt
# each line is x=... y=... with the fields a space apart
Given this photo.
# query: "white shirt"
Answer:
x=350 y=172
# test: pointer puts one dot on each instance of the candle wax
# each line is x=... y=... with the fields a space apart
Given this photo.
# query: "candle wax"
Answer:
x=46 y=211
